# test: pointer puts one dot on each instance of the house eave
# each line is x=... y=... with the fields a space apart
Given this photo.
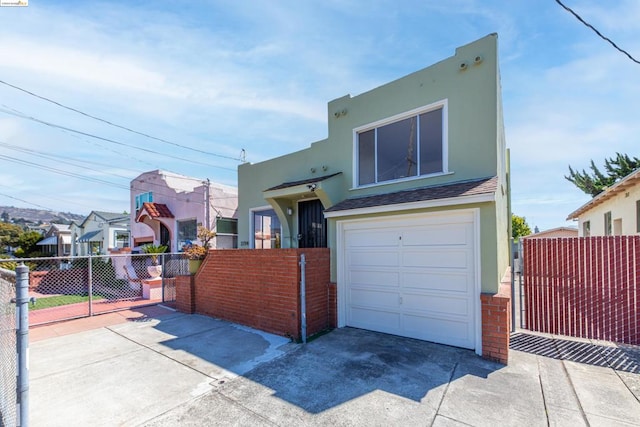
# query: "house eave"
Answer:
x=424 y=204
x=629 y=181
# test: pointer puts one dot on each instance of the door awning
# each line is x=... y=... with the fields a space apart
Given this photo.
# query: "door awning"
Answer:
x=154 y=211
x=91 y=236
x=52 y=240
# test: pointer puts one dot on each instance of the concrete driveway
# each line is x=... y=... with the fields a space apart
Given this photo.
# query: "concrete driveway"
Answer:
x=177 y=369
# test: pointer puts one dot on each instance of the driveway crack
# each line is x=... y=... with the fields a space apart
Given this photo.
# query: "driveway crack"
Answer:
x=444 y=393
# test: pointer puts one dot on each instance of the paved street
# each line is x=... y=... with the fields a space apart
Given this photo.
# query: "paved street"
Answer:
x=162 y=368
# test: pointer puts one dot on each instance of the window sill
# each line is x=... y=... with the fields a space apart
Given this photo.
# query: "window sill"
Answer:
x=397 y=181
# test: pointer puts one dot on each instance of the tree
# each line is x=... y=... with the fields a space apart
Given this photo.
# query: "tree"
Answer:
x=9 y=235
x=27 y=243
x=595 y=182
x=519 y=227
x=5 y=216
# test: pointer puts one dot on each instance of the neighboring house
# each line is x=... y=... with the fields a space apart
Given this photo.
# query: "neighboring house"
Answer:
x=167 y=208
x=99 y=232
x=614 y=212
x=410 y=192
x=554 y=232
x=56 y=240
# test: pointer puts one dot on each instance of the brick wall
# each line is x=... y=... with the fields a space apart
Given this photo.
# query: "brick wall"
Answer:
x=185 y=294
x=261 y=289
x=496 y=322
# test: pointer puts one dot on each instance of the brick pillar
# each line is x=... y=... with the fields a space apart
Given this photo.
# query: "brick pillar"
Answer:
x=185 y=294
x=333 y=305
x=496 y=322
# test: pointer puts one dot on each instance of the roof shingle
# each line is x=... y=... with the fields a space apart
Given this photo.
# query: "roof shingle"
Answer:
x=446 y=191
x=157 y=210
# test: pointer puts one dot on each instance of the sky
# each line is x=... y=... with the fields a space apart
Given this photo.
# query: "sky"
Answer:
x=205 y=80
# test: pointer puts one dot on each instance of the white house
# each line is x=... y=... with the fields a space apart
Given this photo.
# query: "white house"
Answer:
x=99 y=232
x=167 y=208
x=614 y=212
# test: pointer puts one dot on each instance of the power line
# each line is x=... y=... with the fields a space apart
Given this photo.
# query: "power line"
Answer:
x=53 y=125
x=24 y=201
x=568 y=9
x=57 y=199
x=63 y=172
x=116 y=125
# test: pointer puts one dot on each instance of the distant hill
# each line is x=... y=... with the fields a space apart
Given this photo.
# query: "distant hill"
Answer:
x=37 y=216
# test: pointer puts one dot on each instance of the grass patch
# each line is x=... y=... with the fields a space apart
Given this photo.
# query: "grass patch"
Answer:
x=58 y=300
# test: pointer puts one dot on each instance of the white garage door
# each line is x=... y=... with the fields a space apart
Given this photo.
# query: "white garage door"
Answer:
x=412 y=276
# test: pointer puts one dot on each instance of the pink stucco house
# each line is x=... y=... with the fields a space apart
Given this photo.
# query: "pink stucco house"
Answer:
x=167 y=208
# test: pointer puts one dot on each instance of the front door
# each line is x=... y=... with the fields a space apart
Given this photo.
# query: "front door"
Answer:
x=312 y=226
x=165 y=237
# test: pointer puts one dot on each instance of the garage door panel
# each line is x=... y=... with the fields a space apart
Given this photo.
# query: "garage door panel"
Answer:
x=376 y=320
x=413 y=275
x=358 y=258
x=430 y=280
x=449 y=331
x=378 y=239
x=432 y=258
x=443 y=235
x=375 y=277
x=435 y=305
x=375 y=299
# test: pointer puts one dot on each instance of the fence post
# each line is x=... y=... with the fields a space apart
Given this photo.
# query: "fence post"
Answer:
x=22 y=341
x=513 y=285
x=90 y=285
x=162 y=273
x=303 y=297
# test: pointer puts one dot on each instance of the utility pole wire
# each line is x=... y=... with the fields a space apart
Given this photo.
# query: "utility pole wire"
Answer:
x=53 y=125
x=568 y=9
x=114 y=124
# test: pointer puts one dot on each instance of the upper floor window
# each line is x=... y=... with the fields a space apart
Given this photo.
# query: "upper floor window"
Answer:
x=586 y=229
x=143 y=198
x=411 y=146
x=607 y=224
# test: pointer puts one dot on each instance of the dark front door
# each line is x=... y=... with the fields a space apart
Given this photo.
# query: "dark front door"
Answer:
x=165 y=237
x=312 y=227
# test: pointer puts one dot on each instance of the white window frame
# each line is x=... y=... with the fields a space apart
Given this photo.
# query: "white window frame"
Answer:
x=138 y=201
x=252 y=237
x=442 y=104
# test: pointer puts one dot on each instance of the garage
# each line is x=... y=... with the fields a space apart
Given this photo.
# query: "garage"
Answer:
x=412 y=275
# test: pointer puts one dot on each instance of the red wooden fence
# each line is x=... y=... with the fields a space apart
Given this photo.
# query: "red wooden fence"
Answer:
x=585 y=287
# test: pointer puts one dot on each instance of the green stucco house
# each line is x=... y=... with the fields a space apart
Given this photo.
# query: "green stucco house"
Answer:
x=410 y=192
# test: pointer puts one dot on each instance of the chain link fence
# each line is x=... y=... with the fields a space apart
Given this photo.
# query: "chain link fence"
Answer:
x=8 y=352
x=67 y=288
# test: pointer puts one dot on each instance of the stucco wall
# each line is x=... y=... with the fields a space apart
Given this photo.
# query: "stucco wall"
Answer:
x=622 y=206
x=475 y=149
x=185 y=197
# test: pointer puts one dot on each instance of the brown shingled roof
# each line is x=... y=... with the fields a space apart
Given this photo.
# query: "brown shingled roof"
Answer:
x=156 y=210
x=458 y=189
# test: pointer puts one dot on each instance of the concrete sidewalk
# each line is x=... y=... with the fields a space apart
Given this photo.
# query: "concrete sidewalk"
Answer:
x=174 y=369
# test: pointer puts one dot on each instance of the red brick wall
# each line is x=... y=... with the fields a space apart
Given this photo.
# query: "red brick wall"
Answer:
x=496 y=322
x=185 y=294
x=333 y=305
x=261 y=289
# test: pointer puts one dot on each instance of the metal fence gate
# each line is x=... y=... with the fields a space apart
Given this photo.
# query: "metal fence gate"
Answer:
x=68 y=288
x=586 y=287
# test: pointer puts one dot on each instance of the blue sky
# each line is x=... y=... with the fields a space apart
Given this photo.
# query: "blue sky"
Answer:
x=222 y=76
